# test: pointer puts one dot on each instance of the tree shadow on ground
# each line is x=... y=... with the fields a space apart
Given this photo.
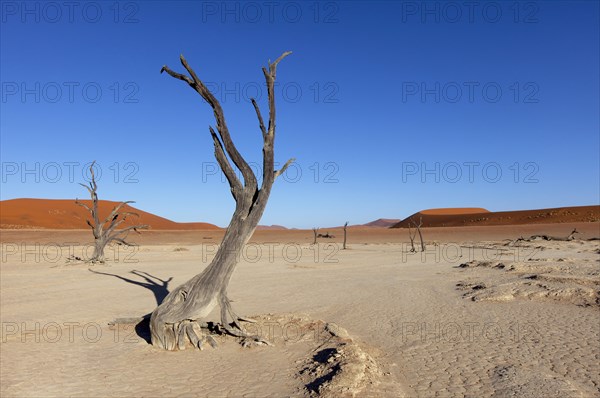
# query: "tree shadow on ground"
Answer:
x=158 y=287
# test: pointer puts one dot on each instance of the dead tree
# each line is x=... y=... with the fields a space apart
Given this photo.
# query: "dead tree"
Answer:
x=345 y=226
x=568 y=238
x=418 y=227
x=571 y=236
x=411 y=236
x=315 y=231
x=106 y=231
x=420 y=234
x=179 y=318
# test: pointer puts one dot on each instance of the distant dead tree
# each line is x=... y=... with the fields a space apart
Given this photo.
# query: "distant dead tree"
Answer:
x=569 y=237
x=106 y=231
x=180 y=317
x=412 y=237
x=420 y=234
x=315 y=231
x=345 y=227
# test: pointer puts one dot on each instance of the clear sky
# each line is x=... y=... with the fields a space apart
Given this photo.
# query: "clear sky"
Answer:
x=388 y=107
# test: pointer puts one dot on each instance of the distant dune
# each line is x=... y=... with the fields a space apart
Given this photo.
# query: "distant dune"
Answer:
x=457 y=217
x=382 y=222
x=65 y=214
x=269 y=227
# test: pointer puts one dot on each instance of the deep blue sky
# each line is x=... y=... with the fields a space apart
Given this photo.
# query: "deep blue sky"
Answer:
x=374 y=93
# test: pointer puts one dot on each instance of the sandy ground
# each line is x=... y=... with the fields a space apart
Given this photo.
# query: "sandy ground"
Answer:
x=473 y=316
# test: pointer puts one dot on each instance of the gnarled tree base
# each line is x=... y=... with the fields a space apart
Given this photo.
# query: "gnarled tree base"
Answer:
x=177 y=335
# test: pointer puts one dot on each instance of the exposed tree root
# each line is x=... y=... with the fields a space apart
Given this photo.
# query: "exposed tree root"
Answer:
x=235 y=328
x=177 y=335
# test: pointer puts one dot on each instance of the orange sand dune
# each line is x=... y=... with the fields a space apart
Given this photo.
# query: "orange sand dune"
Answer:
x=382 y=222
x=65 y=214
x=465 y=217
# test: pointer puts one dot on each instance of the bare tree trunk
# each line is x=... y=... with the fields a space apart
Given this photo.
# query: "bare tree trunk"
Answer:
x=571 y=236
x=345 y=227
x=178 y=319
x=315 y=230
x=98 y=254
x=411 y=236
x=421 y=235
x=106 y=231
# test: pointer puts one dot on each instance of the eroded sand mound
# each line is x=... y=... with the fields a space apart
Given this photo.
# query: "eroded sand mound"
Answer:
x=339 y=366
x=328 y=362
x=336 y=365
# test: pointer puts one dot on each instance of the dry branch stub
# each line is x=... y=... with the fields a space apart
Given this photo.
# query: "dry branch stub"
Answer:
x=345 y=234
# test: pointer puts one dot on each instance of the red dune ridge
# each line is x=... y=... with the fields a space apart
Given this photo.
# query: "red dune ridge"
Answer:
x=66 y=214
x=454 y=210
x=457 y=217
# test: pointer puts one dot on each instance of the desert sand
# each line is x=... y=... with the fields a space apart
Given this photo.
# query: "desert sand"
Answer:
x=476 y=315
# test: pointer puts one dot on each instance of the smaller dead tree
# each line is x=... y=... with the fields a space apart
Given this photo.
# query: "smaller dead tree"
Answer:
x=315 y=231
x=572 y=234
x=412 y=236
x=106 y=231
x=420 y=234
x=345 y=227
x=532 y=238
